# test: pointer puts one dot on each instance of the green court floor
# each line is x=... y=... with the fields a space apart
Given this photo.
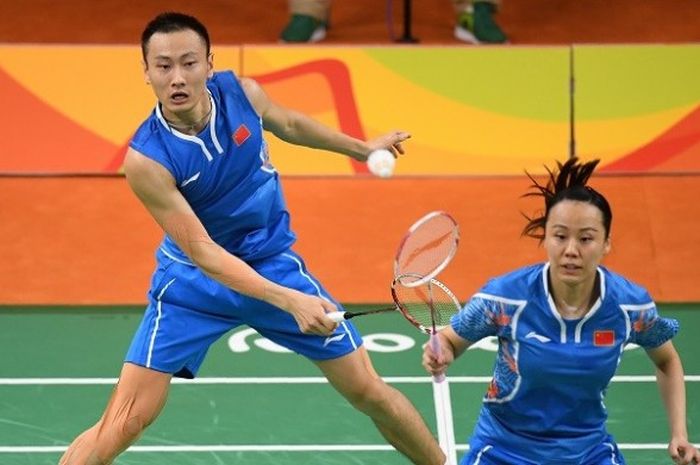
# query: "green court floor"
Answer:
x=254 y=404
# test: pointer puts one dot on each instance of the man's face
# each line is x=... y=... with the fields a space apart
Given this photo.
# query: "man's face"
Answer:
x=177 y=67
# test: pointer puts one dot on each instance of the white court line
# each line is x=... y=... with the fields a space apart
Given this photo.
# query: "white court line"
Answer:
x=273 y=448
x=294 y=380
x=278 y=380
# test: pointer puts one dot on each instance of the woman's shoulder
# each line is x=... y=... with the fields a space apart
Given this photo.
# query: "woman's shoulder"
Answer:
x=623 y=290
x=516 y=281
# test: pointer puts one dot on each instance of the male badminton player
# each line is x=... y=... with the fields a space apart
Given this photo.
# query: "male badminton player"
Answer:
x=200 y=166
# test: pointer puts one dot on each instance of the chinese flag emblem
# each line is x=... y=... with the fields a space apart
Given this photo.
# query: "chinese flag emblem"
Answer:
x=241 y=134
x=604 y=338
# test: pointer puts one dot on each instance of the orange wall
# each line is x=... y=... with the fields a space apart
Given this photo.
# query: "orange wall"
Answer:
x=457 y=112
x=88 y=240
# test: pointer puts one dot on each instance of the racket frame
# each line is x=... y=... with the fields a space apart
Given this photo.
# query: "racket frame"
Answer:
x=442 y=265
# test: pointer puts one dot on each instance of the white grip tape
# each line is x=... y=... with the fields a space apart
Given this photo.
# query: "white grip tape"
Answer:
x=336 y=317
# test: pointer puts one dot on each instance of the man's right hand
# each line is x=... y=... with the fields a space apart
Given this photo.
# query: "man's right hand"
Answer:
x=310 y=311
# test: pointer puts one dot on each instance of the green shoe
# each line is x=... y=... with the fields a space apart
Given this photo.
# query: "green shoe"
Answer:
x=477 y=25
x=304 y=28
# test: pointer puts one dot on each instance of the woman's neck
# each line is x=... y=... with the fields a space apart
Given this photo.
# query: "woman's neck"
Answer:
x=574 y=301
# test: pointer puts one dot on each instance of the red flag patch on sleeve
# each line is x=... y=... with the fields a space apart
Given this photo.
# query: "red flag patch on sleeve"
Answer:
x=604 y=338
x=241 y=134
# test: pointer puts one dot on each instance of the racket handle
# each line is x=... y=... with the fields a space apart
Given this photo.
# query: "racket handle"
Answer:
x=336 y=317
x=437 y=349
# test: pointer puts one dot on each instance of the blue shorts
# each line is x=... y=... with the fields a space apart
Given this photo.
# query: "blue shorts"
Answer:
x=605 y=453
x=188 y=311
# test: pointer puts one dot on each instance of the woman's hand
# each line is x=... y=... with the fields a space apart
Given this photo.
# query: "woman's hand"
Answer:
x=436 y=364
x=683 y=452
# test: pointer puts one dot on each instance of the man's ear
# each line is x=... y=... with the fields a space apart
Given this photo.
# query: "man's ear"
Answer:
x=145 y=72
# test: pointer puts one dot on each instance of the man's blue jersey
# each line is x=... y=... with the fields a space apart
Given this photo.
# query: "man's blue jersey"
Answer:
x=224 y=173
x=545 y=402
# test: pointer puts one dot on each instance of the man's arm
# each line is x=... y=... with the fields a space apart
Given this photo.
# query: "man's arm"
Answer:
x=297 y=128
x=156 y=189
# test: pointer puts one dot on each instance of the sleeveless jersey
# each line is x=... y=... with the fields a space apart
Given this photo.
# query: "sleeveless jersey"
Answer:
x=225 y=174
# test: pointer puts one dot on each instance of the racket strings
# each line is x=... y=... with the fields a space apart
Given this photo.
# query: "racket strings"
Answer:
x=424 y=248
x=427 y=304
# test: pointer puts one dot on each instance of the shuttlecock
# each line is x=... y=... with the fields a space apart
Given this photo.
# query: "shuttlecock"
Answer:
x=381 y=163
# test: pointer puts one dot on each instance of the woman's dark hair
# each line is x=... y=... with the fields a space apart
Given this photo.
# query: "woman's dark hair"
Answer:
x=172 y=22
x=566 y=183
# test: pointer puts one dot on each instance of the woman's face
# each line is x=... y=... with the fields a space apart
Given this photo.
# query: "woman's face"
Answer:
x=576 y=241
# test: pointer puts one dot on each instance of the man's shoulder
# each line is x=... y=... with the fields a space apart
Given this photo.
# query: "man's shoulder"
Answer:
x=223 y=80
x=148 y=142
x=145 y=132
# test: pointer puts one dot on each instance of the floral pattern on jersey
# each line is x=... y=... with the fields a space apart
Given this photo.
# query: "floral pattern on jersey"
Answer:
x=505 y=372
x=485 y=316
x=648 y=329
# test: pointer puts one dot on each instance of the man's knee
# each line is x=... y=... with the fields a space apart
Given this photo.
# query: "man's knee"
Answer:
x=117 y=437
x=133 y=427
x=370 y=394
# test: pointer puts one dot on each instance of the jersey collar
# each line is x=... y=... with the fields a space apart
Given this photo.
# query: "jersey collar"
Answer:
x=195 y=139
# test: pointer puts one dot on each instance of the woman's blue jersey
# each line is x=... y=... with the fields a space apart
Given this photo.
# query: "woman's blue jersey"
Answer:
x=545 y=402
x=224 y=173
